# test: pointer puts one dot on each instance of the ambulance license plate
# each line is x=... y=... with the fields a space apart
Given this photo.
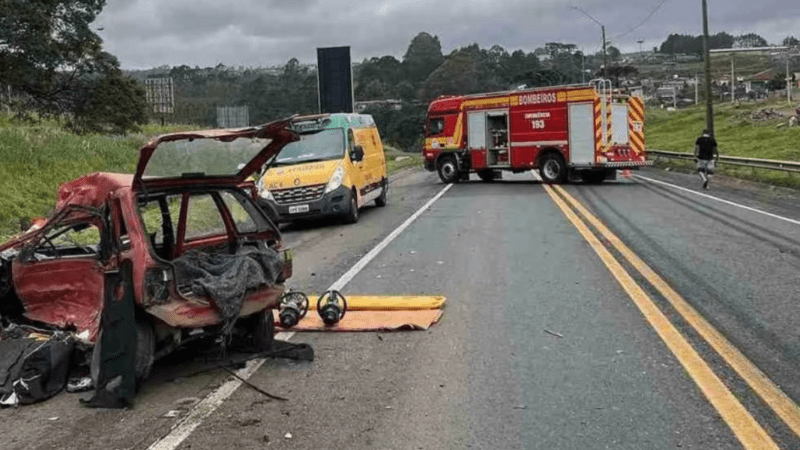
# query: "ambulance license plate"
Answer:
x=296 y=209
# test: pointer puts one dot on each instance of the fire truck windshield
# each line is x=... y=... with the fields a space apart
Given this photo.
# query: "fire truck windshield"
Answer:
x=436 y=126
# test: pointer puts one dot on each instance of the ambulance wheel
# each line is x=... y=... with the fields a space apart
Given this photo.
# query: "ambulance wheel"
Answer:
x=552 y=168
x=593 y=176
x=381 y=201
x=352 y=213
x=448 y=170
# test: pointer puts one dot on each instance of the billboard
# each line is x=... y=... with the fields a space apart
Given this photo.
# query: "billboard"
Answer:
x=335 y=80
x=160 y=95
x=233 y=116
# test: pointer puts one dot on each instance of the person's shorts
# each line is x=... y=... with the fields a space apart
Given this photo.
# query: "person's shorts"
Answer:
x=707 y=164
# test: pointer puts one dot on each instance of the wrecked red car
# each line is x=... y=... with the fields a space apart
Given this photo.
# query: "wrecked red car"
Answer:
x=183 y=239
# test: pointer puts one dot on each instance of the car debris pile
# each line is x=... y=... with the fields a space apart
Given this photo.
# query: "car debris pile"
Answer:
x=131 y=267
x=32 y=368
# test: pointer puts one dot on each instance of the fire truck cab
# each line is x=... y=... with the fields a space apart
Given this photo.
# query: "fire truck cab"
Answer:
x=586 y=130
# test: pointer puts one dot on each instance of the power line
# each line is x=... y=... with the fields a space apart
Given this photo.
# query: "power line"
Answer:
x=643 y=21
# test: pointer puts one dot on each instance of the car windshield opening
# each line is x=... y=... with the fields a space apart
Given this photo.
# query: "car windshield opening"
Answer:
x=316 y=146
x=203 y=157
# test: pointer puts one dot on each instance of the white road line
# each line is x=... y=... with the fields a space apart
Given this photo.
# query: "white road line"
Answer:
x=359 y=266
x=775 y=216
x=208 y=405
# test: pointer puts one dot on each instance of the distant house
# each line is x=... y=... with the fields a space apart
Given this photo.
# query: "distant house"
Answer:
x=759 y=81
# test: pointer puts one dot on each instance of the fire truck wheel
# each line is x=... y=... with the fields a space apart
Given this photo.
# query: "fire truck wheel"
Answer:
x=593 y=176
x=487 y=175
x=552 y=168
x=448 y=170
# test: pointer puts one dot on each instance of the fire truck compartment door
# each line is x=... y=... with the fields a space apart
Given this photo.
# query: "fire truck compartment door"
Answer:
x=619 y=123
x=581 y=133
x=476 y=126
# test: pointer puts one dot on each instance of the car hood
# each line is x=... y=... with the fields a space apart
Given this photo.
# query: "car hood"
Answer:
x=298 y=175
x=209 y=157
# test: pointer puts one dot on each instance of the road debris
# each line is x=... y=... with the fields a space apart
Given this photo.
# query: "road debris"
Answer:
x=187 y=402
x=553 y=333
x=79 y=385
x=287 y=436
x=254 y=387
x=172 y=414
x=248 y=422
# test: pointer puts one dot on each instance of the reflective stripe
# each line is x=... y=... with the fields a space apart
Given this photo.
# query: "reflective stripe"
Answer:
x=537 y=143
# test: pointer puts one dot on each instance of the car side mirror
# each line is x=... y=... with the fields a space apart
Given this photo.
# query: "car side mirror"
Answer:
x=358 y=153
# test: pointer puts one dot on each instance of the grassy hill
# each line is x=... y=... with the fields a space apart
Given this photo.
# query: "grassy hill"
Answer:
x=737 y=132
x=37 y=158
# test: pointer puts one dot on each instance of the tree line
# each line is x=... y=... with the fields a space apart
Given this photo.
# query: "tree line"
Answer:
x=693 y=45
x=54 y=63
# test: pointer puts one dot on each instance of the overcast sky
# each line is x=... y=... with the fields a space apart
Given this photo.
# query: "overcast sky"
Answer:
x=252 y=33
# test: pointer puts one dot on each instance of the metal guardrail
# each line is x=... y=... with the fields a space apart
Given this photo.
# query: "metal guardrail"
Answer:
x=755 y=163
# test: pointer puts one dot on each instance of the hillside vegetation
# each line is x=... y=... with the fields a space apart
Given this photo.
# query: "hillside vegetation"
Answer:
x=37 y=158
x=737 y=133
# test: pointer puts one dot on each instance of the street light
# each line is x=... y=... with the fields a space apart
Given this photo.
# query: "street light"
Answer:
x=603 y=28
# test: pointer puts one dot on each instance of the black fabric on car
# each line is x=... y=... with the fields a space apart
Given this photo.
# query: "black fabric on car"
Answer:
x=225 y=279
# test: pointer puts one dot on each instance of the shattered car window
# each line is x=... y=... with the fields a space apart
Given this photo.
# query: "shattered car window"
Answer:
x=241 y=218
x=203 y=217
x=160 y=216
x=79 y=239
x=203 y=156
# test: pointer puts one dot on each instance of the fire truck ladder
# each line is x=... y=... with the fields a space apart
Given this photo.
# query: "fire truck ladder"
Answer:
x=605 y=91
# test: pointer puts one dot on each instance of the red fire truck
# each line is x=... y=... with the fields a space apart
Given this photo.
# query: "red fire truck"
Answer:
x=587 y=130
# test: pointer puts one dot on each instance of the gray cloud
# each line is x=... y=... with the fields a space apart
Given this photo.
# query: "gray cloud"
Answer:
x=149 y=33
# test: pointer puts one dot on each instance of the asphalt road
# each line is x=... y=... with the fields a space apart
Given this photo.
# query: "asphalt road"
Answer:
x=540 y=346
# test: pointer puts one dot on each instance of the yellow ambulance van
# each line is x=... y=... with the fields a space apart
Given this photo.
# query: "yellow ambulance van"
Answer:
x=335 y=168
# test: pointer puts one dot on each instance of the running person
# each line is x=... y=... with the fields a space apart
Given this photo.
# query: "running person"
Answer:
x=705 y=151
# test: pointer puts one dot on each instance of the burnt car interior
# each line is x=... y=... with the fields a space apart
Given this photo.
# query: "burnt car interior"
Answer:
x=216 y=221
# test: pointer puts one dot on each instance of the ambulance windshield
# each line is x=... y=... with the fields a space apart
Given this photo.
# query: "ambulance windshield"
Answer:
x=315 y=146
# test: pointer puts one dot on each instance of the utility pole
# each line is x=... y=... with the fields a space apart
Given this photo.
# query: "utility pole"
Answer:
x=696 y=90
x=603 y=29
x=733 y=80
x=788 y=80
x=709 y=100
x=605 y=58
x=641 y=53
x=583 y=67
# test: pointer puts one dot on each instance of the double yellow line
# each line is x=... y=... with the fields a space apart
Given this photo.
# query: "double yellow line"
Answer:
x=744 y=426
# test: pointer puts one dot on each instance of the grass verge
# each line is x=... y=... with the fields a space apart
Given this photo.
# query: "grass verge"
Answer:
x=737 y=134
x=38 y=158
